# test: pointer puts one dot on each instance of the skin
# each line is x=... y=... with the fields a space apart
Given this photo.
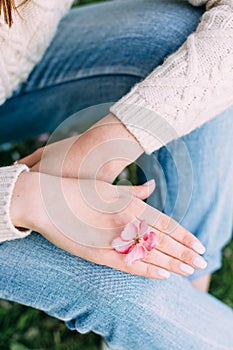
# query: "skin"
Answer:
x=106 y=149
x=99 y=155
x=202 y=283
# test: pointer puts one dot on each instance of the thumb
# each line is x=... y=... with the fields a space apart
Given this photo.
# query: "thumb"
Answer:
x=142 y=191
x=32 y=158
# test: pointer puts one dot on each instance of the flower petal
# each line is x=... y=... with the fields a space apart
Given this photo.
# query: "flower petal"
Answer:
x=150 y=240
x=143 y=227
x=137 y=253
x=121 y=246
x=130 y=232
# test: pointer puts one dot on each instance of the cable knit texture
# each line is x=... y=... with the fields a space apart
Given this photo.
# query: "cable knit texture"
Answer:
x=23 y=45
x=8 y=178
x=189 y=88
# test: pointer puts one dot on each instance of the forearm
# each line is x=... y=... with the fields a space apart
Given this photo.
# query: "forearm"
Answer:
x=113 y=147
x=102 y=152
x=192 y=86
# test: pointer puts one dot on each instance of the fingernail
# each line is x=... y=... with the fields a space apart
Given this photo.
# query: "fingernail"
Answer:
x=200 y=262
x=199 y=248
x=164 y=273
x=149 y=183
x=187 y=269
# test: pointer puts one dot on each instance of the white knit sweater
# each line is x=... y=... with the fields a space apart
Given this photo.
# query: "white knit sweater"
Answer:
x=192 y=86
x=23 y=45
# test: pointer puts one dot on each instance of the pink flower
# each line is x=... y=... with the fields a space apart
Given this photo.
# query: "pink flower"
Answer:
x=135 y=241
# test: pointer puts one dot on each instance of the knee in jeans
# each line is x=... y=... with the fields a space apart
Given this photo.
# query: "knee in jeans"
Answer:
x=117 y=301
x=134 y=301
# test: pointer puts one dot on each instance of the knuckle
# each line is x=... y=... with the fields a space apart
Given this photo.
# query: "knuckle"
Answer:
x=185 y=255
x=120 y=219
x=150 y=270
x=170 y=264
x=150 y=257
x=163 y=222
x=172 y=226
x=187 y=240
x=162 y=241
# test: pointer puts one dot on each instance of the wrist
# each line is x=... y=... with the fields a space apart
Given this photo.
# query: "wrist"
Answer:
x=101 y=152
x=9 y=176
x=23 y=196
x=113 y=128
x=110 y=146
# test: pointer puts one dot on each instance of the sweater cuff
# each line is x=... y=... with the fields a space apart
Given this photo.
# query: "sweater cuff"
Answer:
x=197 y=2
x=151 y=130
x=8 y=178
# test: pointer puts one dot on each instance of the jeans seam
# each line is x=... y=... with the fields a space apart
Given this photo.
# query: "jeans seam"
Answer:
x=71 y=81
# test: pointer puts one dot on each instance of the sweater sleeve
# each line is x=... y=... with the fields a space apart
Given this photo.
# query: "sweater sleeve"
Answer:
x=23 y=45
x=192 y=86
x=8 y=178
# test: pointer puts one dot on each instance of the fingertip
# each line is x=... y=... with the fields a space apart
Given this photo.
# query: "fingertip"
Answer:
x=150 y=183
x=164 y=273
x=198 y=247
x=149 y=188
x=140 y=191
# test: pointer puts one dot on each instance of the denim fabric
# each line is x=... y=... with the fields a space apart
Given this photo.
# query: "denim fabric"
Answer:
x=99 y=52
x=129 y=312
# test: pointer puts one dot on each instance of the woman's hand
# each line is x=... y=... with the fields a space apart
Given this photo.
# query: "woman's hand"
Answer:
x=102 y=152
x=84 y=216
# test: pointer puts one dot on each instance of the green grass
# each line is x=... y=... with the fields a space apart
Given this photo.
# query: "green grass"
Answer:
x=23 y=328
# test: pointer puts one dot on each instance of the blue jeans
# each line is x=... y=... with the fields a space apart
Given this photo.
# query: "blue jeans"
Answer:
x=99 y=52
